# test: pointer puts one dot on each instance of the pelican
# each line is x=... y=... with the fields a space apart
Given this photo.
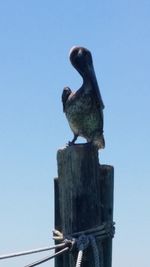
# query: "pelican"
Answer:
x=84 y=108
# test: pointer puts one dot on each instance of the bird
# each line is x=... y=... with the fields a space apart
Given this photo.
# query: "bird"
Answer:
x=84 y=107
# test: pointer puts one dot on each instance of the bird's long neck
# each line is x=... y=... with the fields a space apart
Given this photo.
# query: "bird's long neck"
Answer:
x=89 y=78
x=91 y=85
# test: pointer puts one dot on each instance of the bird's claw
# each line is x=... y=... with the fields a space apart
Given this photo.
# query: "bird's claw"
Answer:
x=70 y=143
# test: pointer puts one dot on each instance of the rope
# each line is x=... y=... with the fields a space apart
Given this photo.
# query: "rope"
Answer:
x=82 y=244
x=100 y=232
x=80 y=240
x=79 y=258
x=95 y=252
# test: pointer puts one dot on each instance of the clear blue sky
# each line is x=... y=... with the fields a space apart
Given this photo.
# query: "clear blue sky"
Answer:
x=35 y=38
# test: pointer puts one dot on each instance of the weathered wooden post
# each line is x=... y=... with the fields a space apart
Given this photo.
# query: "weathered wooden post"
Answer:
x=83 y=200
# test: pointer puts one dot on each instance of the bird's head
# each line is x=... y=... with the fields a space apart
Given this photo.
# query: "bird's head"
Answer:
x=81 y=59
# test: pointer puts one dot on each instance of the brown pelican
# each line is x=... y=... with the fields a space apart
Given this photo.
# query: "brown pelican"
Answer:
x=84 y=108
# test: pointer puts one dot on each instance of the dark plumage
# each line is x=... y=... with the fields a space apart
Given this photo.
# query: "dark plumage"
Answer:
x=84 y=108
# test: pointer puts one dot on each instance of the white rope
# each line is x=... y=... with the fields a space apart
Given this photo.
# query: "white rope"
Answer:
x=81 y=240
x=79 y=258
x=82 y=243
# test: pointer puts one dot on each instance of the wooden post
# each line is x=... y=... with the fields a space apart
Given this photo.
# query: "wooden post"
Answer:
x=83 y=198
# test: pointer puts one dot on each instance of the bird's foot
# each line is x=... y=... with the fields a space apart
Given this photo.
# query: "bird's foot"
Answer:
x=71 y=143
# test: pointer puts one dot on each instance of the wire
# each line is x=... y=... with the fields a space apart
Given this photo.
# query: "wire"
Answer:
x=47 y=258
x=31 y=251
x=80 y=240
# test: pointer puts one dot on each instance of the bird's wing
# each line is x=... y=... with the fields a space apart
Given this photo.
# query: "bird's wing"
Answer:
x=65 y=94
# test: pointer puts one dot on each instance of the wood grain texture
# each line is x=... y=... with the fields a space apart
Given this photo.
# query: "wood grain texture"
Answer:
x=83 y=197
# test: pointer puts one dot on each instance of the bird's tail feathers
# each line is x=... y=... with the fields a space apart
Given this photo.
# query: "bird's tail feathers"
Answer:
x=99 y=141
